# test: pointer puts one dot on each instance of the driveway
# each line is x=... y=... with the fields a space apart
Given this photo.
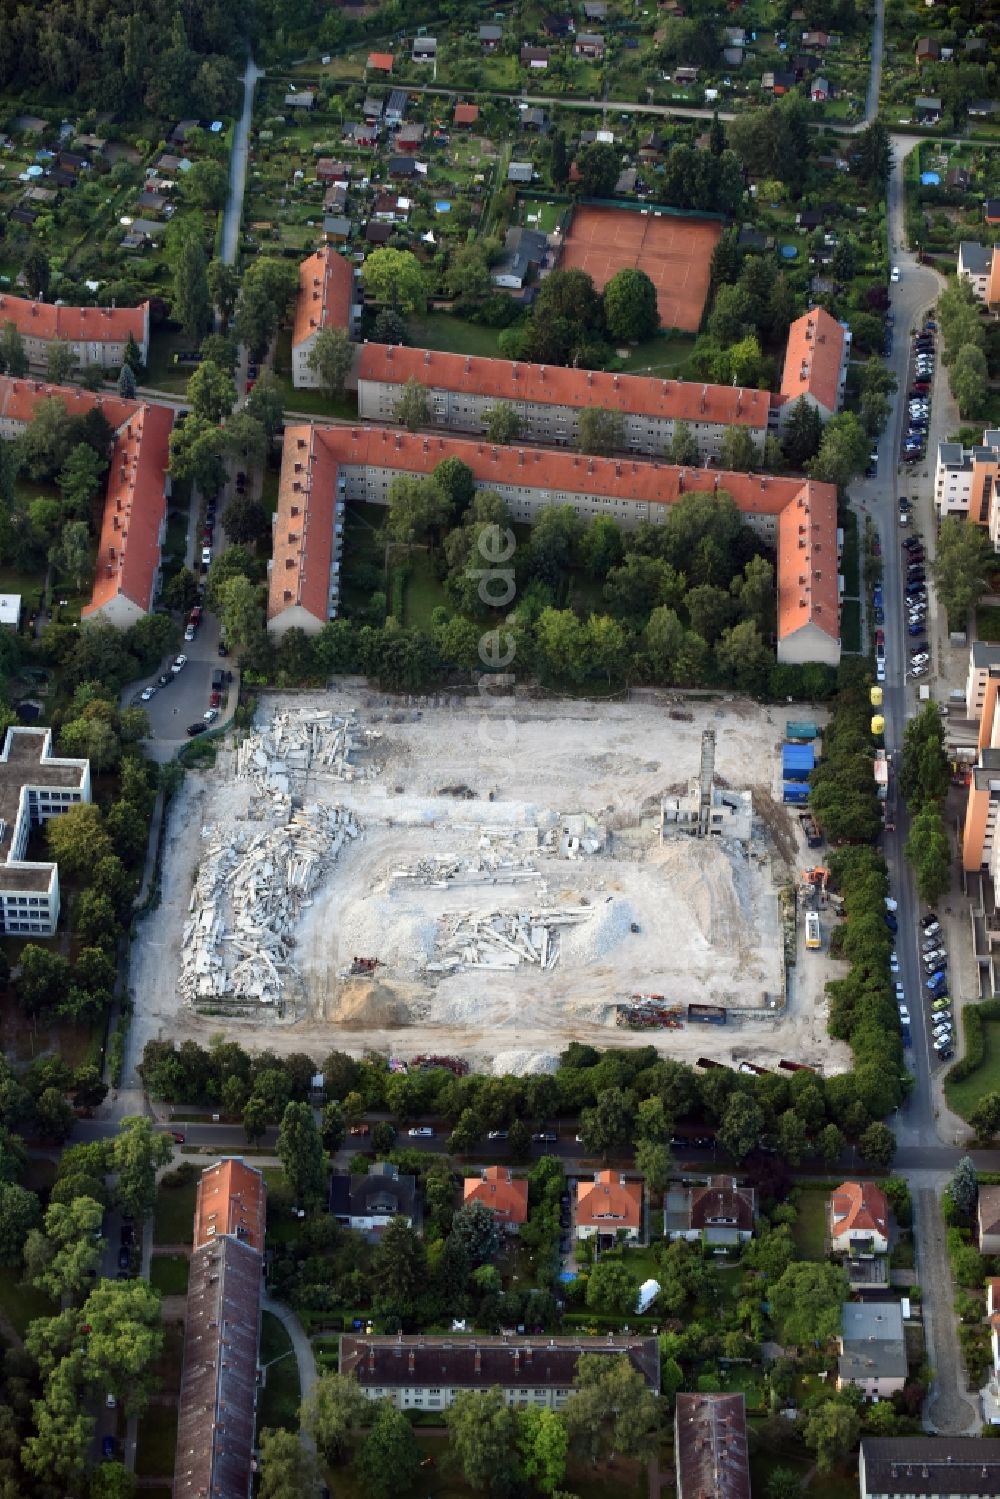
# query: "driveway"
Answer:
x=946 y=1410
x=185 y=699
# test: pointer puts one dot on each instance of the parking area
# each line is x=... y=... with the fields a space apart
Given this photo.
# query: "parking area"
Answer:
x=179 y=699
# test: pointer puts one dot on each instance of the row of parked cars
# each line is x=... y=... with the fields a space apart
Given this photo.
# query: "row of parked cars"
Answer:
x=915 y=595
x=934 y=958
x=919 y=398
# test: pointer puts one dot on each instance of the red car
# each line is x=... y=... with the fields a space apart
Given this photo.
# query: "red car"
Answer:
x=359 y=1129
x=215 y=699
x=177 y=1137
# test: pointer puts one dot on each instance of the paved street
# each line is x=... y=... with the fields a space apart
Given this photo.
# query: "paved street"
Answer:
x=948 y=1409
x=238 y=167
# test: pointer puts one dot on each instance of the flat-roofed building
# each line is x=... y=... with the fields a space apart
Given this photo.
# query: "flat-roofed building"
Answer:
x=426 y=1373
x=965 y=482
x=975 y=265
x=35 y=786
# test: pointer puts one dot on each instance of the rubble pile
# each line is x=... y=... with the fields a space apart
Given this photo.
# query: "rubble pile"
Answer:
x=503 y=939
x=253 y=884
x=278 y=755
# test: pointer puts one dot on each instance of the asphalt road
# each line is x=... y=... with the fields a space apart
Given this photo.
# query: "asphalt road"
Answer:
x=238 y=167
x=185 y=699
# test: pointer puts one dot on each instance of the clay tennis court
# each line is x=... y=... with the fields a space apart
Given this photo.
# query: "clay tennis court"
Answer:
x=675 y=253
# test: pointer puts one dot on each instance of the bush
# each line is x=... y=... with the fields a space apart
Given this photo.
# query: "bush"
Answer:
x=975 y=1038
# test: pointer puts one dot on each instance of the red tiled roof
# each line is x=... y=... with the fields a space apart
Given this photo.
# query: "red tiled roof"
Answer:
x=48 y=320
x=609 y=1202
x=808 y=565
x=498 y=1190
x=807 y=510
x=541 y=384
x=466 y=114
x=812 y=358
x=307 y=492
x=326 y=282
x=993 y=284
x=382 y=61
x=993 y=1296
x=231 y=1199
x=859 y=1207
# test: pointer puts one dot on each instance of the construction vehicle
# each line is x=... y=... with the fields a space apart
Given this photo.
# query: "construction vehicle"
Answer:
x=813 y=942
x=811 y=830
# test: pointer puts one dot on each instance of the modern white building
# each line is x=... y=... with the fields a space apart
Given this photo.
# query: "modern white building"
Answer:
x=35 y=786
x=980 y=266
x=965 y=482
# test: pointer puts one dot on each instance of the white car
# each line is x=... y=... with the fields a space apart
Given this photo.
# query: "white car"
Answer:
x=895 y=273
x=943 y=1043
x=919 y=671
x=420 y=1132
x=206 y=556
x=179 y=664
x=890 y=904
x=904 y=1015
x=210 y=715
x=147 y=693
x=899 y=993
x=893 y=963
x=880 y=671
x=189 y=633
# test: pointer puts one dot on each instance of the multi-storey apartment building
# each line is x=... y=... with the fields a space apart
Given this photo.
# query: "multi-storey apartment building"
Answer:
x=98 y=335
x=816 y=358
x=35 y=786
x=327 y=299
x=965 y=482
x=322 y=467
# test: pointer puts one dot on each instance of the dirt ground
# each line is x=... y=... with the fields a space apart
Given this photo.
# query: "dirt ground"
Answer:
x=477 y=787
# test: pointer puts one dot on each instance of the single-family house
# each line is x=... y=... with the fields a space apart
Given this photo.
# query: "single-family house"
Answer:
x=927 y=109
x=373 y=108
x=753 y=241
x=991 y=211
x=975 y=46
x=336 y=229
x=378 y=234
x=938 y=1467
x=328 y=170
x=535 y=58
x=335 y=198
x=556 y=26
x=958 y=180
x=466 y=114
x=532 y=118
x=380 y=62
x=686 y=75
x=720 y=1211
x=409 y=137
x=975 y=265
x=595 y=10
x=425 y=49
x=981 y=109
x=859 y=1219
x=872 y=1348
x=928 y=49
x=520 y=171
x=627 y=182
x=386 y=207
x=401 y=166
x=651 y=146
x=361 y=133
x=609 y=1205
x=589 y=44
x=369 y=1203
x=490 y=38
x=988 y=1218
x=819 y=90
x=505 y=1195
x=395 y=109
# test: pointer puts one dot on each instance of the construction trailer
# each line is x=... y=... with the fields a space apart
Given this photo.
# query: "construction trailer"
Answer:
x=795 y=792
x=798 y=761
x=804 y=732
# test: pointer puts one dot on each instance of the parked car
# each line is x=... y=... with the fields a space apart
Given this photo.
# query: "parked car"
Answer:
x=210 y=715
x=164 y=679
x=196 y=728
x=421 y=1132
x=107 y=1448
x=206 y=557
x=189 y=632
x=545 y=1137
x=124 y=1257
x=179 y=664
x=147 y=693
x=497 y=1134
x=904 y=1015
x=359 y=1129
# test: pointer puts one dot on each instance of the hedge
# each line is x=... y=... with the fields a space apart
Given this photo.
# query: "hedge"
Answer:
x=975 y=1038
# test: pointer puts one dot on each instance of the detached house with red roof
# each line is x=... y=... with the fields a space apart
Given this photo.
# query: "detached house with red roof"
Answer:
x=608 y=1206
x=97 y=335
x=322 y=467
x=505 y=1195
x=326 y=299
x=816 y=359
x=859 y=1219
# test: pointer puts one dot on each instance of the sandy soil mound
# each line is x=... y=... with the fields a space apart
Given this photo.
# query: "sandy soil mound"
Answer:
x=363 y=1003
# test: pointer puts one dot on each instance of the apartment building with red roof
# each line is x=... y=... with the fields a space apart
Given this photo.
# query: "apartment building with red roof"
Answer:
x=816 y=358
x=327 y=298
x=506 y=1195
x=133 y=525
x=322 y=467
x=98 y=335
x=463 y=389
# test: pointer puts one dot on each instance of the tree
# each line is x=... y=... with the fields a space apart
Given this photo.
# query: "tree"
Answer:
x=399 y=1270
x=474 y=1227
x=600 y=431
x=223 y=287
x=608 y=1123
x=831 y=1429
x=503 y=423
x=482 y=1433
x=684 y=445
x=135 y=1153
x=964 y=1187
x=60 y=362
x=961 y=567
x=878 y=1145
x=612 y=1287
x=468 y=273
x=543 y=1445
x=389 y=327
x=79 y=480
x=191 y=305
x=124 y=1340
x=598 y=165
x=741 y=1126
x=807 y=1301
x=558 y=157
x=125 y=384
x=287 y=1470
x=268 y=287
x=985 y=1118
x=613 y=1410
x=246 y=437
x=205 y=184
x=743 y=658
x=20 y=1211
x=265 y=405
x=72 y=556
x=416 y=508
x=412 y=409
x=843 y=451
x=197 y=451
x=245 y=521
x=874 y=153
x=37 y=271
x=13 y=356
x=333 y=1413
x=211 y=391
x=802 y=434
x=112 y=1480
x=928 y=850
x=395 y=277
x=389 y=1460
x=738 y=451
x=73 y=1248
x=132 y=355
x=300 y=1150
x=630 y=309
x=969 y=380
x=77 y=839
x=332 y=355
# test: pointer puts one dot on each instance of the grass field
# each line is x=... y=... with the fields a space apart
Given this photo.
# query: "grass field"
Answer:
x=173 y=1215
x=988 y=623
x=157 y=1443
x=423 y=593
x=850 y=625
x=438 y=330
x=667 y=355
x=964 y=1095
x=168 y=1274
x=809 y=1228
x=278 y=1404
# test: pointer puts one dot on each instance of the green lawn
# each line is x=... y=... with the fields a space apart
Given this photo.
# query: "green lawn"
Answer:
x=422 y=594
x=849 y=564
x=278 y=1404
x=157 y=1443
x=439 y=330
x=22 y=1304
x=168 y=1367
x=850 y=626
x=964 y=1095
x=988 y=623
x=666 y=354
x=809 y=1228
x=161 y=373
x=168 y=1274
x=173 y=1215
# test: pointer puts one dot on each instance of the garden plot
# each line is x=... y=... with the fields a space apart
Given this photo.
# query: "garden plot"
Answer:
x=477 y=878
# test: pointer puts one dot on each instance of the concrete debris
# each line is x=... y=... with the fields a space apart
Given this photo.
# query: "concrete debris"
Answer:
x=279 y=754
x=504 y=939
x=253 y=884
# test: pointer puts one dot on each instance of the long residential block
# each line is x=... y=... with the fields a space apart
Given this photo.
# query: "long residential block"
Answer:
x=97 y=335
x=324 y=467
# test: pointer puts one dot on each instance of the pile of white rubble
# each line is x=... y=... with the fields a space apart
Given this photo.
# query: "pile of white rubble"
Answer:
x=279 y=754
x=504 y=939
